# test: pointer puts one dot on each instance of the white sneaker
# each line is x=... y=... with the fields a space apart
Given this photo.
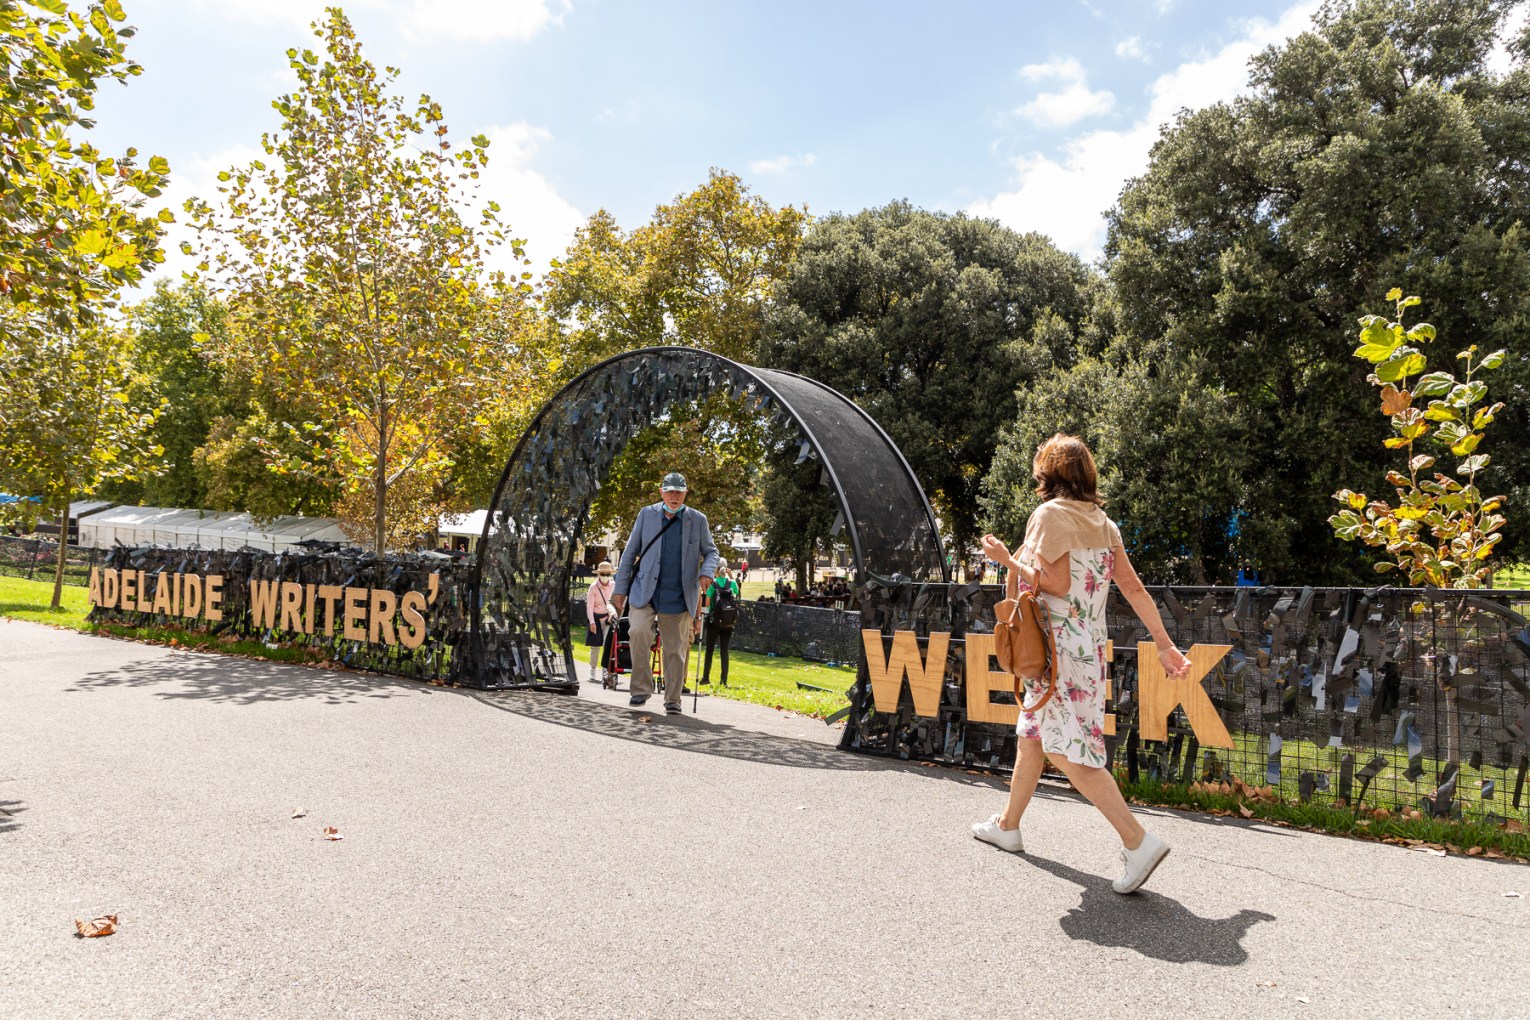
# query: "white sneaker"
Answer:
x=1004 y=839
x=1139 y=863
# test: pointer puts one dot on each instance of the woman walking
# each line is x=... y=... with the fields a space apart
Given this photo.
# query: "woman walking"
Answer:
x=597 y=607
x=1071 y=553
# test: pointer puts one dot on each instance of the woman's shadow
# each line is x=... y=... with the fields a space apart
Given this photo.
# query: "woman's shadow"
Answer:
x=1152 y=924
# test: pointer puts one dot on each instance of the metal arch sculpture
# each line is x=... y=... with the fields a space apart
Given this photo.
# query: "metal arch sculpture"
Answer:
x=520 y=616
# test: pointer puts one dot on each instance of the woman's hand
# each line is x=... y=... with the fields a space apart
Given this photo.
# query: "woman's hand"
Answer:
x=592 y=628
x=997 y=551
x=1173 y=661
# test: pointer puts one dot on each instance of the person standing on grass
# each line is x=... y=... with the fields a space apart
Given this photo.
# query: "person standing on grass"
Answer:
x=666 y=565
x=1071 y=553
x=720 y=604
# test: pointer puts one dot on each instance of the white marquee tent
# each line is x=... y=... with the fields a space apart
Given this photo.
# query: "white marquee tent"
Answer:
x=179 y=528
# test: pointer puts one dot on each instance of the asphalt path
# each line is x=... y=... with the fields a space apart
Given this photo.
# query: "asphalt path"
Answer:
x=522 y=855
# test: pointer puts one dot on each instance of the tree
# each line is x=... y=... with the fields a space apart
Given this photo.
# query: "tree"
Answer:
x=358 y=289
x=71 y=229
x=929 y=322
x=170 y=362
x=700 y=274
x=70 y=421
x=1375 y=148
x=800 y=512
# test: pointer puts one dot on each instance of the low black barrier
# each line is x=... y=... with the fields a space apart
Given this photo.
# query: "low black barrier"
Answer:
x=771 y=628
x=402 y=615
x=1385 y=697
x=36 y=559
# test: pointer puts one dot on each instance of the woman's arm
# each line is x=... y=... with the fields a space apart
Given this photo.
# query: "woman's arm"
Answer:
x=1174 y=662
x=1052 y=578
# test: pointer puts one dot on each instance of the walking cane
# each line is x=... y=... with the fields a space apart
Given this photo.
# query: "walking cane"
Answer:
x=696 y=646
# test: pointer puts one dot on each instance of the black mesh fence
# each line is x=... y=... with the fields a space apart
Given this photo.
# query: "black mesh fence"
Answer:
x=800 y=632
x=346 y=608
x=1388 y=698
x=36 y=559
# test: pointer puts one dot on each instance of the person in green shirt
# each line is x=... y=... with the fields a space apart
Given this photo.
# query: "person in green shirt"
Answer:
x=720 y=603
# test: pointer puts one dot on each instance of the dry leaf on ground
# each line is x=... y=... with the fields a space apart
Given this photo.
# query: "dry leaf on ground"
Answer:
x=106 y=924
x=1244 y=811
x=299 y=812
x=332 y=833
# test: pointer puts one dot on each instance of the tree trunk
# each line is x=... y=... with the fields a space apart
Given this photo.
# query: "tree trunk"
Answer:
x=380 y=511
x=805 y=569
x=63 y=550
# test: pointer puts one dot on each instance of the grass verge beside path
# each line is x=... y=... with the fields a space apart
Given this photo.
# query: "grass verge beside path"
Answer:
x=21 y=599
x=772 y=680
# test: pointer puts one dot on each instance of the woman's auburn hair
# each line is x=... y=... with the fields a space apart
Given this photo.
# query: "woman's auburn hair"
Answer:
x=1064 y=469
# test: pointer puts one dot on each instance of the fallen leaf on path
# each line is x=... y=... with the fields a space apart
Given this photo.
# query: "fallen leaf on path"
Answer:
x=106 y=924
x=1474 y=851
x=299 y=812
x=1303 y=998
x=1510 y=825
x=645 y=718
x=332 y=833
x=1243 y=810
x=1514 y=895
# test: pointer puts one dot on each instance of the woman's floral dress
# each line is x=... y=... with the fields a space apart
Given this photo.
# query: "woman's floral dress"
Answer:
x=1072 y=724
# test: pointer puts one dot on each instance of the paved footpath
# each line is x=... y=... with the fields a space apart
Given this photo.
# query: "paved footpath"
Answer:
x=521 y=855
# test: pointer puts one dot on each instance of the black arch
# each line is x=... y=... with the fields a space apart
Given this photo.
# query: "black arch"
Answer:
x=520 y=614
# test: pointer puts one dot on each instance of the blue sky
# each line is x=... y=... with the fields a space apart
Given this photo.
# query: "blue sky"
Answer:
x=1034 y=113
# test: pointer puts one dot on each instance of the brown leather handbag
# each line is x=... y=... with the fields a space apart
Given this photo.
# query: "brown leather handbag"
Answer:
x=1025 y=645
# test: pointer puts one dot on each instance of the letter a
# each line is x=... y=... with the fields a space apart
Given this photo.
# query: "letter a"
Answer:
x=925 y=676
x=1160 y=694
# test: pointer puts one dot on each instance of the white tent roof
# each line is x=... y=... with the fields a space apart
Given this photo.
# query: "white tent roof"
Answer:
x=178 y=528
x=469 y=524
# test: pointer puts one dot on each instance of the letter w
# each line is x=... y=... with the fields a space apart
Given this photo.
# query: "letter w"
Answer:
x=925 y=676
x=263 y=597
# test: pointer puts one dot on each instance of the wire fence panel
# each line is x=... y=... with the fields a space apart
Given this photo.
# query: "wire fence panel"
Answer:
x=800 y=632
x=1384 y=697
x=36 y=559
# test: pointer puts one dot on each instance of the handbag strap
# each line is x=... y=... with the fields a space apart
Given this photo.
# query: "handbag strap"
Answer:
x=637 y=561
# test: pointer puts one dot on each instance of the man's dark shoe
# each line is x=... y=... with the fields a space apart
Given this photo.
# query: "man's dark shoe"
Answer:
x=637 y=700
x=671 y=709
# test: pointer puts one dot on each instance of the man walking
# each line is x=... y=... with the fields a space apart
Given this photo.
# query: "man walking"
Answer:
x=666 y=565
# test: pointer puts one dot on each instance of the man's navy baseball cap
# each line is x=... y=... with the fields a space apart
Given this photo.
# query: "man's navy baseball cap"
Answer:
x=673 y=482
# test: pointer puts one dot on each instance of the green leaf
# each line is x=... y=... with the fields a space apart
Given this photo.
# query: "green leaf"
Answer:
x=1421 y=333
x=1394 y=293
x=1440 y=411
x=1472 y=464
x=1494 y=360
x=1466 y=444
x=1434 y=384
x=1403 y=363
x=1421 y=462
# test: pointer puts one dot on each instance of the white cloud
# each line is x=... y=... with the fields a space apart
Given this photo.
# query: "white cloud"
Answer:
x=472 y=20
x=530 y=206
x=780 y=164
x=1068 y=105
x=1066 y=198
x=1130 y=48
x=483 y=20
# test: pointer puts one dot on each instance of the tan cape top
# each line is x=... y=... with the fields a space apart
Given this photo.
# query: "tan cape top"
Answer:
x=1061 y=525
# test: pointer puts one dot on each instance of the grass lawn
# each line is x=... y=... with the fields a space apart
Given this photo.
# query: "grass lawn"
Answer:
x=1515 y=577
x=772 y=680
x=29 y=600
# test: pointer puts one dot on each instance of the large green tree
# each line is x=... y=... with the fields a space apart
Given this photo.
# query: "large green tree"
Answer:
x=73 y=225
x=1375 y=149
x=70 y=422
x=359 y=291
x=701 y=273
x=929 y=322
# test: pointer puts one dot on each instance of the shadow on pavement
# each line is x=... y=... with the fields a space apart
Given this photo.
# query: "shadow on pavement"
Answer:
x=1150 y=923
x=684 y=733
x=248 y=681
x=9 y=809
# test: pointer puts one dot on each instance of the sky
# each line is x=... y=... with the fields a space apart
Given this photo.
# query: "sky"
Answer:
x=1032 y=113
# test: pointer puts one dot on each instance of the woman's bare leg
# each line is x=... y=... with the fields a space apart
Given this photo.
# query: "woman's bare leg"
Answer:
x=1100 y=787
x=1030 y=759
